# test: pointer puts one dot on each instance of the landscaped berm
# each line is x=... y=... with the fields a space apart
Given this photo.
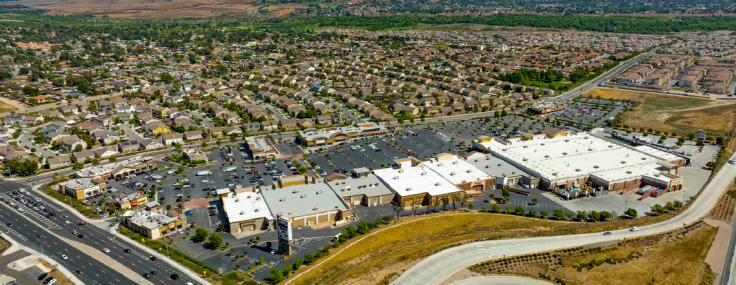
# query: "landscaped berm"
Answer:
x=391 y=249
x=670 y=114
x=677 y=257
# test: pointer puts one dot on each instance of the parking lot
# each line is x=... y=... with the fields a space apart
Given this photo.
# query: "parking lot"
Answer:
x=590 y=111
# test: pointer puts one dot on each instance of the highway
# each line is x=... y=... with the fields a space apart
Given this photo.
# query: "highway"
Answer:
x=438 y=267
x=608 y=75
x=94 y=237
x=25 y=232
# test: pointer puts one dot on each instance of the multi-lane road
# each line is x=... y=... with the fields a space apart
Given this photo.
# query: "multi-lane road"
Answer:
x=438 y=267
x=61 y=236
x=608 y=75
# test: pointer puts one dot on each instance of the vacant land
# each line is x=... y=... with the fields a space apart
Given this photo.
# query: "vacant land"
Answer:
x=58 y=275
x=672 y=114
x=7 y=108
x=671 y=258
x=394 y=249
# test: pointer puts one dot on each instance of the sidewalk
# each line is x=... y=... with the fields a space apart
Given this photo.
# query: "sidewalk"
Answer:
x=104 y=225
x=17 y=246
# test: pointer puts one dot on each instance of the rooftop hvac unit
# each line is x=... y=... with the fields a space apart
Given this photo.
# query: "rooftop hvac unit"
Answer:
x=242 y=213
x=437 y=184
x=546 y=156
x=564 y=153
x=488 y=158
x=376 y=185
x=610 y=146
x=293 y=192
x=628 y=172
x=486 y=166
x=315 y=209
x=475 y=160
x=595 y=166
x=424 y=173
x=396 y=177
x=256 y=210
x=452 y=173
x=439 y=164
x=643 y=158
x=542 y=143
x=237 y=200
x=577 y=169
x=468 y=171
x=401 y=171
x=526 y=146
x=623 y=162
x=454 y=162
x=567 y=140
x=524 y=159
x=408 y=188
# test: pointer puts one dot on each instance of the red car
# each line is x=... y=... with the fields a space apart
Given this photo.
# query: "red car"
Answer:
x=249 y=172
x=81 y=224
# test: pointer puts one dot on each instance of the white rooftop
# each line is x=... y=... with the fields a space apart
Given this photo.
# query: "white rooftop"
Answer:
x=577 y=155
x=455 y=170
x=245 y=206
x=412 y=180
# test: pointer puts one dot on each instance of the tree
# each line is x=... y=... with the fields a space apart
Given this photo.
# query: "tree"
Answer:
x=112 y=159
x=595 y=216
x=657 y=209
x=544 y=214
x=275 y=276
x=532 y=213
x=77 y=166
x=308 y=258
x=495 y=208
x=559 y=214
x=200 y=235
x=508 y=210
x=297 y=263
x=260 y=260
x=631 y=212
x=534 y=201
x=287 y=269
x=520 y=210
x=605 y=215
x=471 y=206
x=180 y=169
x=678 y=204
x=214 y=241
x=570 y=215
x=582 y=215
x=669 y=206
x=351 y=232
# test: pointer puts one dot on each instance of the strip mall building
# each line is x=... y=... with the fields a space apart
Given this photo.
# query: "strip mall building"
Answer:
x=332 y=136
x=567 y=161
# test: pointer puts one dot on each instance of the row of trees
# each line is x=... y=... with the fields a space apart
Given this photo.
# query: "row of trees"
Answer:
x=277 y=275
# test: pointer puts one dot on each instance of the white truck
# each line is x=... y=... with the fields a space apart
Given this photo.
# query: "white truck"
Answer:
x=230 y=169
x=204 y=173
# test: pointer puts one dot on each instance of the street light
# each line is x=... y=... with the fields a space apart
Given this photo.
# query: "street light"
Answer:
x=42 y=253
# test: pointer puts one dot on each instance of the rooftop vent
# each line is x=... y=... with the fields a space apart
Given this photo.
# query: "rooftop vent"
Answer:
x=623 y=162
x=595 y=166
x=486 y=166
x=577 y=169
x=452 y=173
x=546 y=156
x=437 y=184
x=564 y=153
x=628 y=172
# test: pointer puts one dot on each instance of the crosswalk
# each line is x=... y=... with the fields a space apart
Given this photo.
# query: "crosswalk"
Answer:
x=28 y=211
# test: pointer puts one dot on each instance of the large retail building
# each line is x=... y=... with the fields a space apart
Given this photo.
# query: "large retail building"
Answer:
x=569 y=161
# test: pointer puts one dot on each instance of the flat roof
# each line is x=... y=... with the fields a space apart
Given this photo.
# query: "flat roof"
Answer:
x=412 y=180
x=658 y=153
x=313 y=134
x=300 y=200
x=456 y=170
x=151 y=219
x=576 y=155
x=369 y=185
x=245 y=206
x=494 y=166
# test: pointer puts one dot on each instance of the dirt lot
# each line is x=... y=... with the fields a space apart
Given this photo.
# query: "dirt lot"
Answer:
x=670 y=258
x=673 y=114
x=7 y=108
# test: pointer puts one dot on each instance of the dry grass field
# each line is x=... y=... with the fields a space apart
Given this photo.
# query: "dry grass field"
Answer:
x=394 y=249
x=673 y=114
x=671 y=258
x=7 y=108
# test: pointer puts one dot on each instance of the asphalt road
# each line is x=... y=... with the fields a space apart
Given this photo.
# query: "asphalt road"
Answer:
x=438 y=267
x=25 y=232
x=95 y=237
x=729 y=266
x=608 y=75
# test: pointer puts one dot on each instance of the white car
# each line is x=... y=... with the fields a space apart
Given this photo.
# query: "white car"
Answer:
x=105 y=250
x=53 y=281
x=64 y=257
x=634 y=229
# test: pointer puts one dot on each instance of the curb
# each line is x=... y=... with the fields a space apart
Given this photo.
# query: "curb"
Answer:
x=15 y=246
